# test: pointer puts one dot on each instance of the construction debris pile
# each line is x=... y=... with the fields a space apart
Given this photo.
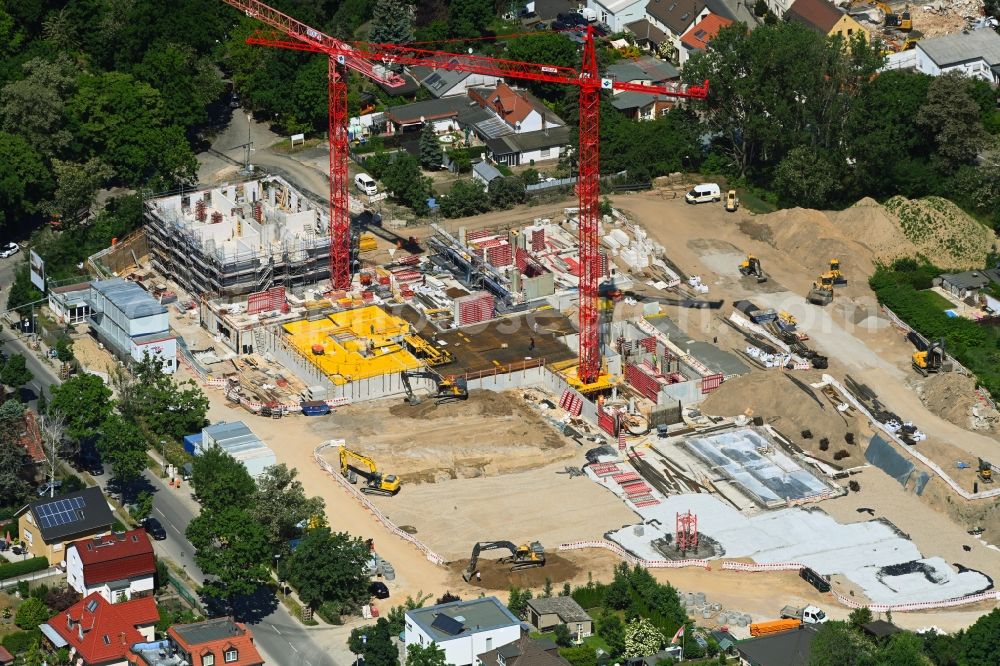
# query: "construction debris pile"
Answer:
x=953 y=397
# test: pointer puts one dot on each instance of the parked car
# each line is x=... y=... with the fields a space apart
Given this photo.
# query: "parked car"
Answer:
x=366 y=184
x=44 y=489
x=379 y=590
x=9 y=250
x=154 y=528
x=732 y=201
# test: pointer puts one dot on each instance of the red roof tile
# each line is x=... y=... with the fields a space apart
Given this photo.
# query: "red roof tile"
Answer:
x=702 y=33
x=819 y=15
x=508 y=104
x=140 y=611
x=5 y=656
x=116 y=557
x=99 y=630
x=217 y=637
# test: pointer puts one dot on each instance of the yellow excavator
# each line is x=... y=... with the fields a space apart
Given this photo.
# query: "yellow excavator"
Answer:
x=446 y=390
x=985 y=471
x=822 y=290
x=931 y=359
x=838 y=276
x=751 y=267
x=898 y=20
x=353 y=465
x=521 y=557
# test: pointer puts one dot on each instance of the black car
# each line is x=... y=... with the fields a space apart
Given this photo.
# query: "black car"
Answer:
x=154 y=529
x=378 y=590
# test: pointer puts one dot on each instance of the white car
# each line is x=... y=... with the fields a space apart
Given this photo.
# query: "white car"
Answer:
x=9 y=250
x=366 y=184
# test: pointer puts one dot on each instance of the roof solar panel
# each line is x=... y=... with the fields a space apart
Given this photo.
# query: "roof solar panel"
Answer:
x=79 y=502
x=44 y=520
x=447 y=625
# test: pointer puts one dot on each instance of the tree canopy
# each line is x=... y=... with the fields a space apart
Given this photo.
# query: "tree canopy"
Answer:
x=221 y=481
x=329 y=567
x=85 y=402
x=232 y=548
x=280 y=504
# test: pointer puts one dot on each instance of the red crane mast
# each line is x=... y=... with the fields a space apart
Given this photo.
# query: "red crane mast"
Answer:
x=372 y=60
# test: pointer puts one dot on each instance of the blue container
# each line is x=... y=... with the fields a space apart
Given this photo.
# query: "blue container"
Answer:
x=191 y=443
x=315 y=408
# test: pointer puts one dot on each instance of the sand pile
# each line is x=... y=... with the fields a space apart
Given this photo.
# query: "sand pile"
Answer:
x=811 y=237
x=953 y=397
x=790 y=405
x=487 y=435
x=497 y=576
x=942 y=231
x=870 y=223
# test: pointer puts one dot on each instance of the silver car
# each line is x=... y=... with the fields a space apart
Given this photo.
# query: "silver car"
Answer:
x=9 y=250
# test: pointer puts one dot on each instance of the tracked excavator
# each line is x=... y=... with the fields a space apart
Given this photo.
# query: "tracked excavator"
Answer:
x=521 y=557
x=985 y=471
x=931 y=358
x=822 y=290
x=751 y=267
x=353 y=464
x=446 y=390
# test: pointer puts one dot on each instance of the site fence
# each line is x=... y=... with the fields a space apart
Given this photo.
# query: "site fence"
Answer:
x=990 y=595
x=365 y=502
x=632 y=559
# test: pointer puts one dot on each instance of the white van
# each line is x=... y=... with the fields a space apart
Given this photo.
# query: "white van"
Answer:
x=704 y=193
x=367 y=184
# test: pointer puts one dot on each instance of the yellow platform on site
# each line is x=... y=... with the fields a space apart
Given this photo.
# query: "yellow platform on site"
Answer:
x=354 y=344
x=605 y=381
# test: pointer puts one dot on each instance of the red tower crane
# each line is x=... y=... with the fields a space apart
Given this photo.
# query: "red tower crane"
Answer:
x=371 y=60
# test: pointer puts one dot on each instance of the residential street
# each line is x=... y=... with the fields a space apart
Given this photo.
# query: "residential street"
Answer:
x=281 y=638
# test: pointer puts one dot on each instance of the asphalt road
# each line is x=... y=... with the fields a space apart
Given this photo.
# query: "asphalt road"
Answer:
x=281 y=638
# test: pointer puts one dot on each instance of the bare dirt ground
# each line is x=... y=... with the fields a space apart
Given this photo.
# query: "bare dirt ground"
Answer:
x=486 y=435
x=535 y=505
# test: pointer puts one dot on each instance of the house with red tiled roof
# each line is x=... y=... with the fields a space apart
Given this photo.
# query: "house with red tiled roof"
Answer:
x=117 y=566
x=100 y=633
x=699 y=35
x=518 y=110
x=218 y=642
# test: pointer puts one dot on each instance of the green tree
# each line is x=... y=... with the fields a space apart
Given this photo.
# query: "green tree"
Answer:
x=377 y=649
x=952 y=117
x=12 y=484
x=221 y=481
x=507 y=192
x=562 y=635
x=64 y=349
x=15 y=371
x=808 y=177
x=981 y=643
x=642 y=638
x=231 y=547
x=465 y=198
x=611 y=629
x=760 y=8
x=431 y=155
x=547 y=589
x=143 y=506
x=187 y=82
x=330 y=567
x=859 y=616
x=34 y=107
x=24 y=180
x=123 y=446
x=836 y=644
x=406 y=183
x=425 y=655
x=167 y=408
x=902 y=649
x=85 y=402
x=469 y=18
x=551 y=48
x=582 y=655
x=517 y=601
x=392 y=22
x=123 y=121
x=31 y=613
x=76 y=188
x=22 y=291
x=280 y=505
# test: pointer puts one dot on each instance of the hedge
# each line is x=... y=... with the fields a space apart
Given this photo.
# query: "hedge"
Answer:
x=19 y=641
x=23 y=567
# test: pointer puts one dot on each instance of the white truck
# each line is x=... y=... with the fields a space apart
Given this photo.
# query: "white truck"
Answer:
x=807 y=614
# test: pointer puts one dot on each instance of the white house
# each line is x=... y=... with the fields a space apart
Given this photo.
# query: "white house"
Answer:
x=676 y=17
x=116 y=566
x=518 y=110
x=975 y=54
x=450 y=83
x=463 y=629
x=617 y=13
x=132 y=323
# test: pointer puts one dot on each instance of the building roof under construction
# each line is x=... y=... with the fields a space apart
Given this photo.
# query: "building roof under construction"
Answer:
x=129 y=297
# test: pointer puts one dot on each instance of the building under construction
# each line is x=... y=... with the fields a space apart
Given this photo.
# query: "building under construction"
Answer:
x=240 y=238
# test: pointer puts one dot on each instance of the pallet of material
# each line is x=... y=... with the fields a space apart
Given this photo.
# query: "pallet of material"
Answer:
x=637 y=488
x=605 y=469
x=626 y=477
x=649 y=502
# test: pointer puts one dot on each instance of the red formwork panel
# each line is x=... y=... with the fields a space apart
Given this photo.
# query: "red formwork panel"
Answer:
x=265 y=301
x=710 y=383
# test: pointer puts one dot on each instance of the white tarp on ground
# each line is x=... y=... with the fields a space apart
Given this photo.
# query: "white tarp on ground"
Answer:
x=859 y=551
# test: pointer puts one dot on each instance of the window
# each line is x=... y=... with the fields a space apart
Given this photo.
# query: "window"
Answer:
x=208 y=660
x=544 y=152
x=489 y=643
x=850 y=31
x=231 y=655
x=28 y=536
